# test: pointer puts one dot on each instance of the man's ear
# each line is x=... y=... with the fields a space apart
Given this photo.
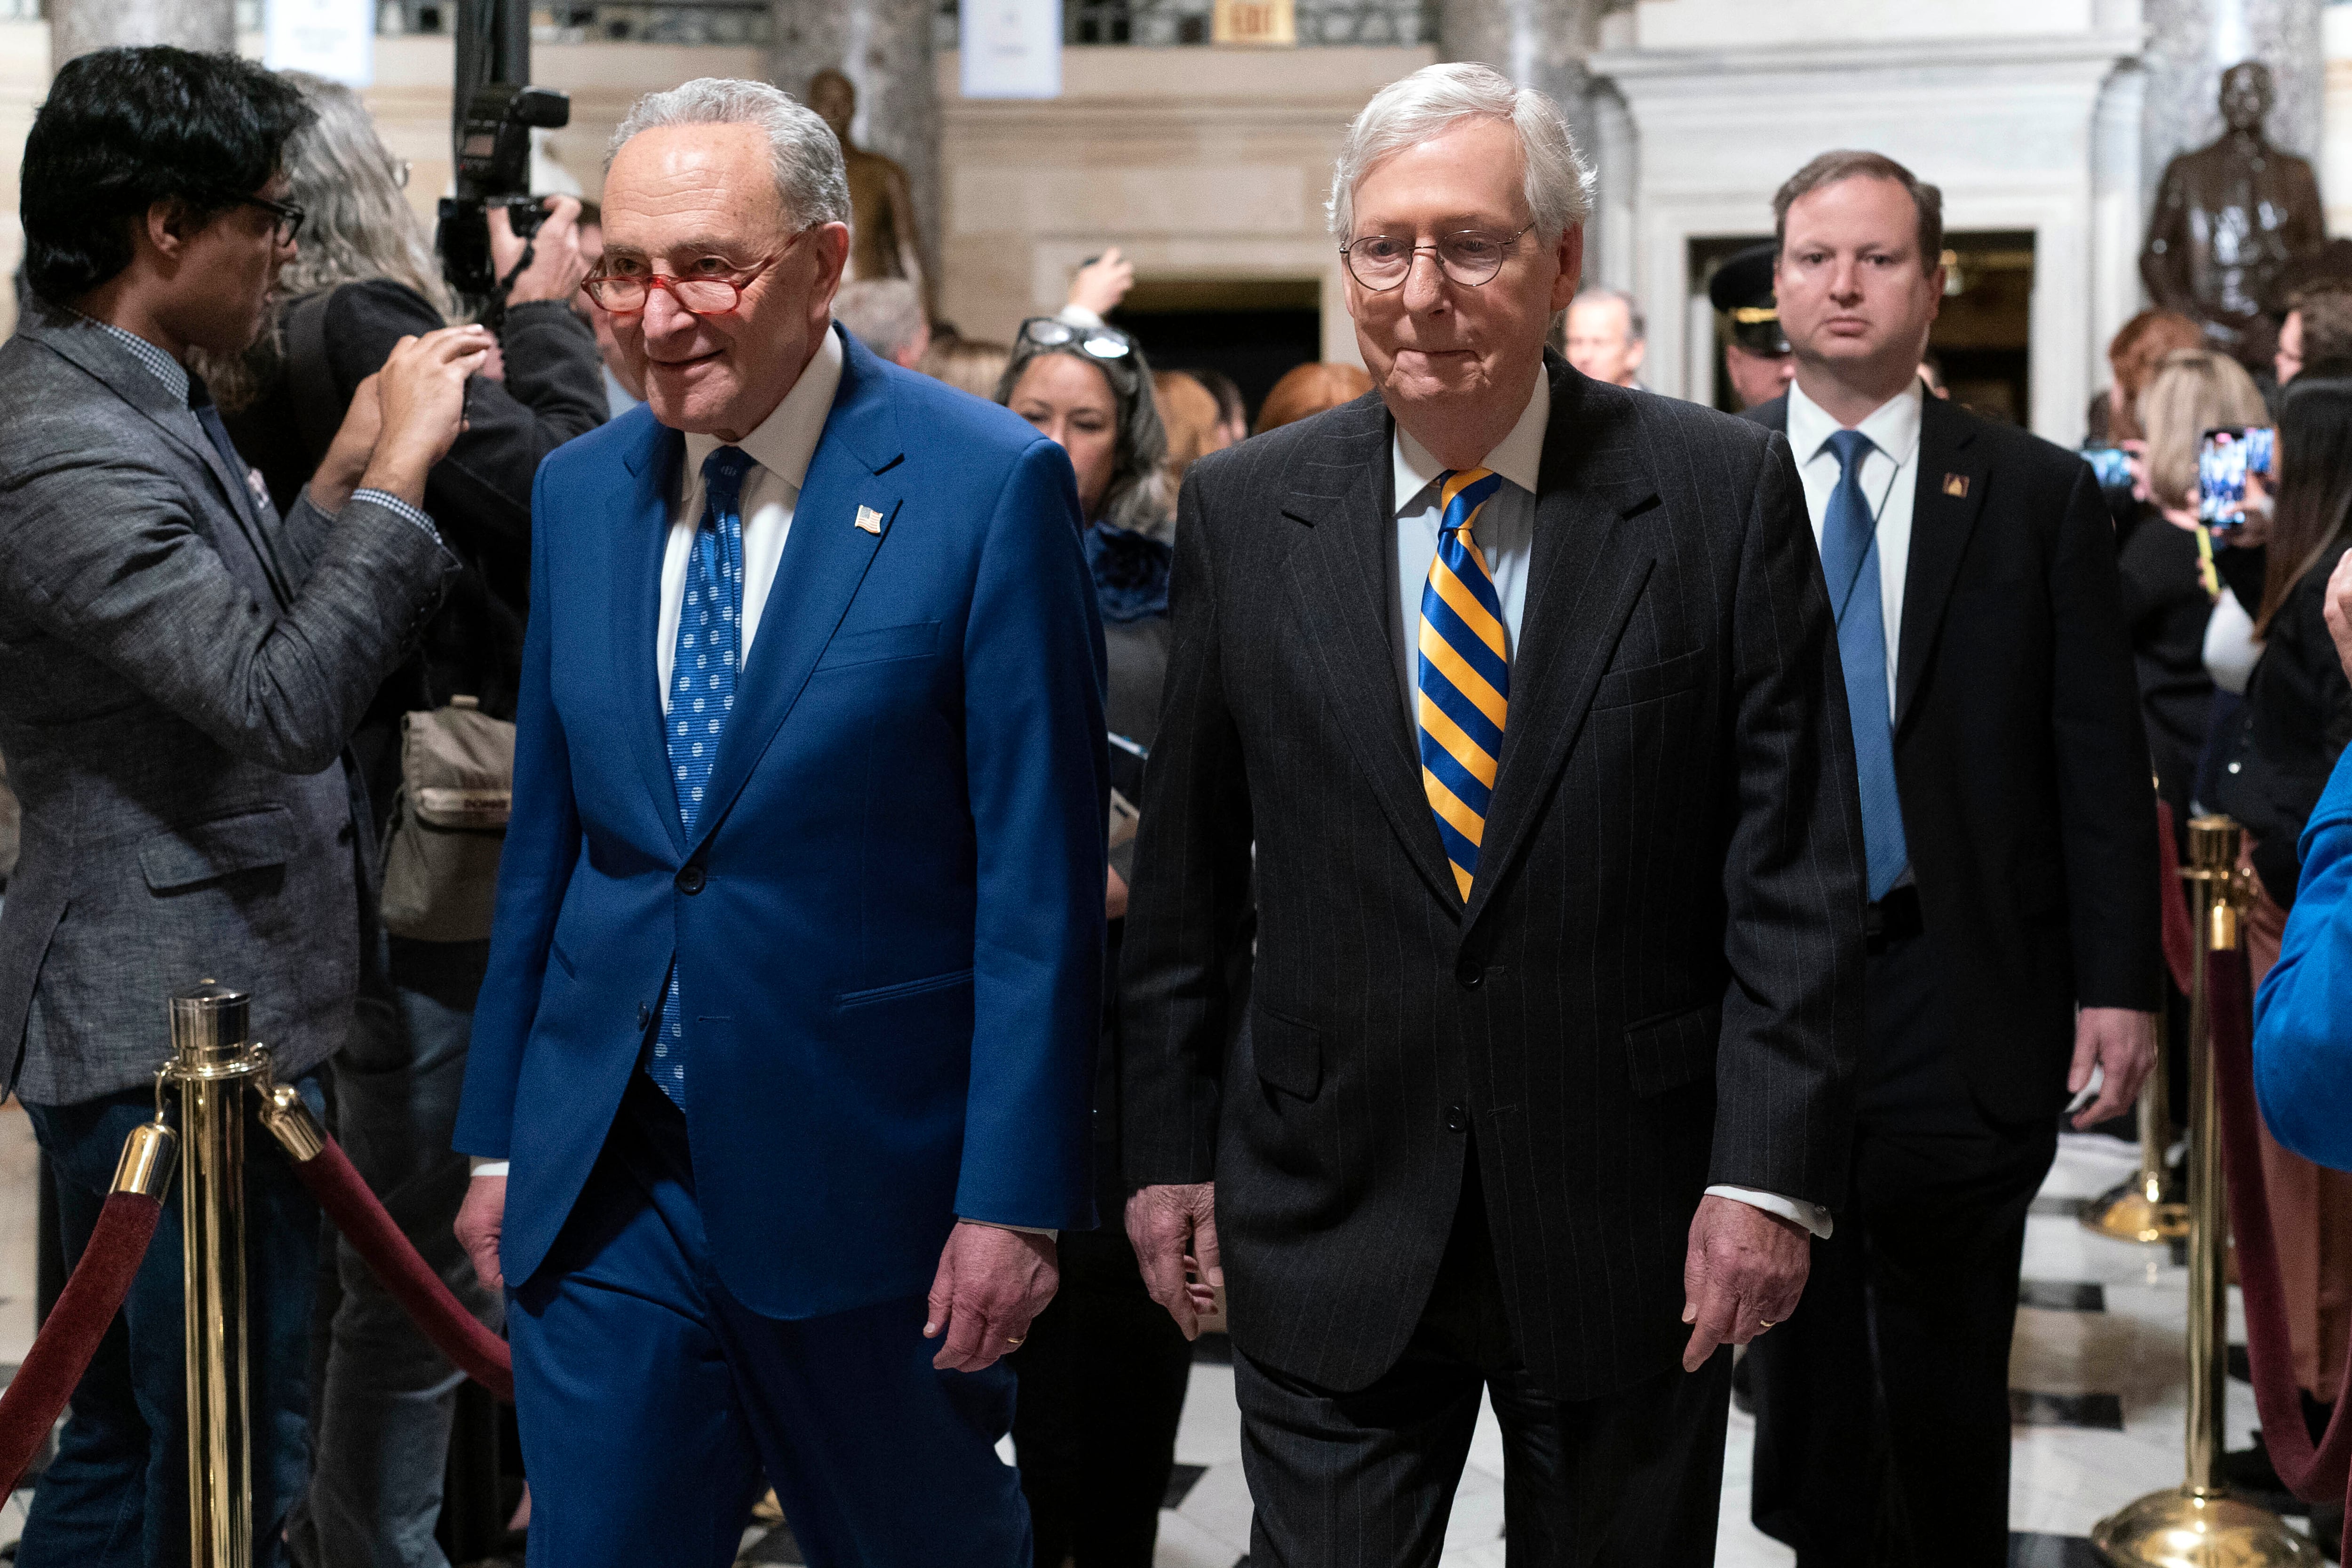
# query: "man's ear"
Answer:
x=1571 y=267
x=167 y=227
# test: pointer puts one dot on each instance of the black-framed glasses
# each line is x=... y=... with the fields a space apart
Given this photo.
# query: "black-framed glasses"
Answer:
x=1097 y=342
x=625 y=293
x=1468 y=257
x=289 y=217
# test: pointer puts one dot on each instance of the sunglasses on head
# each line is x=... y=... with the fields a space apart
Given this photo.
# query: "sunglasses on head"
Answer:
x=1098 y=342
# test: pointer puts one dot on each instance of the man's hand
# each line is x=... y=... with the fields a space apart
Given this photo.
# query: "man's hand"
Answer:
x=2339 y=611
x=1174 y=1229
x=348 y=454
x=1743 y=1275
x=556 y=265
x=992 y=1282
x=2121 y=1040
x=422 y=389
x=481 y=1220
x=1102 y=283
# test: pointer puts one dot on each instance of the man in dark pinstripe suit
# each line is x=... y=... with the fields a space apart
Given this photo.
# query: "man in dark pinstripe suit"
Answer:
x=1525 y=691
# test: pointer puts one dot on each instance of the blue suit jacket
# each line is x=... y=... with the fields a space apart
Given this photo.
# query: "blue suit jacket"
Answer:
x=888 y=920
x=2303 y=1015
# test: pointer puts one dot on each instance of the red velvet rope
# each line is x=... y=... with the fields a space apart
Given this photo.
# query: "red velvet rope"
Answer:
x=2178 y=930
x=2314 y=1472
x=359 y=1216
x=85 y=1310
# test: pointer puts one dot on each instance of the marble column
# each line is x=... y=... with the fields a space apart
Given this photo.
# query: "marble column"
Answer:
x=884 y=46
x=1540 y=44
x=78 y=26
x=2191 y=42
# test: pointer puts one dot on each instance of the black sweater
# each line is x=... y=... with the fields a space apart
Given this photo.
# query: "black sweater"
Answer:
x=2165 y=609
x=2298 y=715
x=478 y=496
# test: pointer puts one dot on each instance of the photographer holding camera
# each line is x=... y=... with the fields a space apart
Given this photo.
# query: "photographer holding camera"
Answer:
x=441 y=722
x=179 y=666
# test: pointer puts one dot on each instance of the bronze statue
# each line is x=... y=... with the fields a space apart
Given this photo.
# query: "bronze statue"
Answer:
x=2229 y=219
x=882 y=239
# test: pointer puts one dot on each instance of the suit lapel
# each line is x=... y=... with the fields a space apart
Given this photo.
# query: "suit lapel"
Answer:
x=1586 y=571
x=1941 y=522
x=1340 y=590
x=638 y=524
x=91 y=348
x=825 y=559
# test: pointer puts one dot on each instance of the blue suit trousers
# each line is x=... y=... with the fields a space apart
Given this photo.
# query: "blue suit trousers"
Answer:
x=652 y=1402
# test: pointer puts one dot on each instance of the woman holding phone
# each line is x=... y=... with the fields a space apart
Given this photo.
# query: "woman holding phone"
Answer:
x=2296 y=719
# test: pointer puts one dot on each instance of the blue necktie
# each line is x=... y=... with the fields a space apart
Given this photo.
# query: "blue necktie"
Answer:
x=702 y=693
x=1849 y=564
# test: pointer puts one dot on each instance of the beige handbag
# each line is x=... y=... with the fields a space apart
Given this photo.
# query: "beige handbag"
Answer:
x=450 y=822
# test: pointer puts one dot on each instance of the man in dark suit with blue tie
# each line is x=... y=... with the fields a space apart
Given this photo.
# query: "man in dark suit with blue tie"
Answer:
x=2008 y=820
x=782 y=1062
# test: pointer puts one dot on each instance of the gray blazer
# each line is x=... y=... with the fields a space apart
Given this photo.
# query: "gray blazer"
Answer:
x=179 y=669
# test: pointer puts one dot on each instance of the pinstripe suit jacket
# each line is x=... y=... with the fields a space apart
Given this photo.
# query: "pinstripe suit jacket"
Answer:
x=1656 y=982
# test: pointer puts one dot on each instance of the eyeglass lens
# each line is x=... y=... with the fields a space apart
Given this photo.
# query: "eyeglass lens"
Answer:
x=1470 y=257
x=703 y=296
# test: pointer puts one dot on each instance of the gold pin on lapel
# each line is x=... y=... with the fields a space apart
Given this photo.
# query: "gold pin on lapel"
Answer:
x=1956 y=486
x=869 y=519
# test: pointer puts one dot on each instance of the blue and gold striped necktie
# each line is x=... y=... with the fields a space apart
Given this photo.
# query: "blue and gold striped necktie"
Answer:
x=1465 y=674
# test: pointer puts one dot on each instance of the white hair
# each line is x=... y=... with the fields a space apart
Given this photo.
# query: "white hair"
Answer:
x=1435 y=99
x=885 y=314
x=809 y=178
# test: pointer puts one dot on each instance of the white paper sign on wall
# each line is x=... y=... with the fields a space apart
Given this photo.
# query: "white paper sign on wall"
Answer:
x=332 y=38
x=1011 y=49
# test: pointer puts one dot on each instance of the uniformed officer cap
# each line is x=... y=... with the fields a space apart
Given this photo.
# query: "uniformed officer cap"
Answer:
x=1742 y=290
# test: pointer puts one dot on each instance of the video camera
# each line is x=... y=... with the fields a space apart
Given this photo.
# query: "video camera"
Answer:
x=494 y=171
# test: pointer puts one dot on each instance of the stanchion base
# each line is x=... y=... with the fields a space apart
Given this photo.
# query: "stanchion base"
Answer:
x=2128 y=1216
x=2183 y=1528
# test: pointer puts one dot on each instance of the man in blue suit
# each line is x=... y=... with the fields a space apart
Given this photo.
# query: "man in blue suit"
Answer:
x=781 y=1069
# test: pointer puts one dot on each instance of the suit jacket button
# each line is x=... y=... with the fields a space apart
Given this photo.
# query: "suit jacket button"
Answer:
x=690 y=880
x=1469 y=973
x=645 y=1016
x=1457 y=1118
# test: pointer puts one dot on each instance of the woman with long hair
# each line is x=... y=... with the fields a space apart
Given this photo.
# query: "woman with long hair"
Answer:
x=2296 y=720
x=1104 y=1371
x=365 y=279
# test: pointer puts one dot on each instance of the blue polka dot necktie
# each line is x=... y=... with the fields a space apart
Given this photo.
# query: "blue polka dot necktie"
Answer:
x=702 y=693
x=1850 y=563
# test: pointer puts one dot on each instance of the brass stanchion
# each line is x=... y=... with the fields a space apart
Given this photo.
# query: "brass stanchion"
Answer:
x=211 y=1056
x=2199 y=1524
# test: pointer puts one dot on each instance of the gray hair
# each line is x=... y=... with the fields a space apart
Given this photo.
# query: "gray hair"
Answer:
x=885 y=314
x=1435 y=99
x=810 y=179
x=1637 y=326
x=358 y=226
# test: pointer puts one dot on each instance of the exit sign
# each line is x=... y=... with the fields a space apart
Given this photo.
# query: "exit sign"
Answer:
x=1271 y=22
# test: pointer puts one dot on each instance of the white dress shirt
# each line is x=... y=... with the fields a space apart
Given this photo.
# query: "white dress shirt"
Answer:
x=1890 y=483
x=780 y=450
x=1505 y=534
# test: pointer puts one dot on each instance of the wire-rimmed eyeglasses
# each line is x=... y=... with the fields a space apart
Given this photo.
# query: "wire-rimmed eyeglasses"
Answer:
x=1468 y=257
x=289 y=217
x=1097 y=342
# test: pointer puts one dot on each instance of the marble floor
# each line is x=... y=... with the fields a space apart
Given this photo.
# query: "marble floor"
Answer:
x=2097 y=1384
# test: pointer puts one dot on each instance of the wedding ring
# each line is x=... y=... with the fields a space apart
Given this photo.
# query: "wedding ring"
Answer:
x=1766 y=1324
x=1015 y=1343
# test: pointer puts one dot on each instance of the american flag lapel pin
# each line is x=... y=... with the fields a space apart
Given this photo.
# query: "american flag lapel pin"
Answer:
x=1956 y=485
x=869 y=521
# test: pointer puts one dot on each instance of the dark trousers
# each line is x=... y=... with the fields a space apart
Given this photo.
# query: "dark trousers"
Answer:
x=1882 y=1405
x=652 y=1402
x=1367 y=1479
x=117 y=1494
x=1102 y=1389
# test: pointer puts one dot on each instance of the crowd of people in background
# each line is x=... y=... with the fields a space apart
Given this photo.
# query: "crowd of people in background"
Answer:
x=376 y=590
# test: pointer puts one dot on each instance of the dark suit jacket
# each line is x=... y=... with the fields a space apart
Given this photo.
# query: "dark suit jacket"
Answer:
x=179 y=667
x=1656 y=982
x=2028 y=805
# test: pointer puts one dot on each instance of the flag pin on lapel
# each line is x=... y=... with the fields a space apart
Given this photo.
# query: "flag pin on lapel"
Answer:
x=869 y=519
x=1956 y=486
